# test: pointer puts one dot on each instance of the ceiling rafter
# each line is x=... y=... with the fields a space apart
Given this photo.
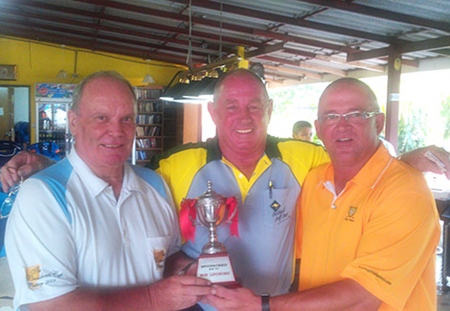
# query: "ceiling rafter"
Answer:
x=297 y=72
x=380 y=13
x=408 y=47
x=291 y=20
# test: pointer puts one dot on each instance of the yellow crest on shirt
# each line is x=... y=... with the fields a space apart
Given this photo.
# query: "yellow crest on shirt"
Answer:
x=33 y=274
x=159 y=255
x=351 y=212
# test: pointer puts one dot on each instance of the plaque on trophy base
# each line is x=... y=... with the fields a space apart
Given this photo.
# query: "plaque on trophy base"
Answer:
x=216 y=268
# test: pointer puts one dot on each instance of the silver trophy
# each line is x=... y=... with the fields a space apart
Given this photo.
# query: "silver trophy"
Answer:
x=212 y=212
x=214 y=262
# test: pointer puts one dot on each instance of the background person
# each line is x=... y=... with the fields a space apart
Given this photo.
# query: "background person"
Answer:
x=368 y=226
x=93 y=232
x=302 y=130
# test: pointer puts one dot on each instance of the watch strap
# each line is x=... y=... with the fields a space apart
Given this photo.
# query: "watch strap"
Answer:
x=265 y=302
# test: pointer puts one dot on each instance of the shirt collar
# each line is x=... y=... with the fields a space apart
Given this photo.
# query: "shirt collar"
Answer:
x=371 y=172
x=96 y=184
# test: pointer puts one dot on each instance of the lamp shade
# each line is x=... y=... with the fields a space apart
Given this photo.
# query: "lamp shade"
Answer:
x=175 y=92
x=204 y=87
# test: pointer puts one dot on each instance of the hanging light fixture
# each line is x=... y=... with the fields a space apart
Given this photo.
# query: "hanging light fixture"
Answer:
x=175 y=92
x=197 y=84
x=148 y=79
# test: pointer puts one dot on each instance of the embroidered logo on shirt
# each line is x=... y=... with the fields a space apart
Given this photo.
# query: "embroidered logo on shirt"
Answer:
x=275 y=205
x=33 y=274
x=351 y=212
x=279 y=214
x=35 y=279
x=159 y=255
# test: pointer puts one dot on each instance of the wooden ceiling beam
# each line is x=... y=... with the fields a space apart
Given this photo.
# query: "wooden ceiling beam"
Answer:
x=424 y=45
x=380 y=13
x=118 y=19
x=99 y=46
x=310 y=42
x=289 y=20
x=357 y=64
x=301 y=64
x=297 y=72
x=278 y=74
x=267 y=49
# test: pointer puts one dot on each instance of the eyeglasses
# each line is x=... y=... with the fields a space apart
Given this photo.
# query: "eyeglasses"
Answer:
x=353 y=117
x=5 y=208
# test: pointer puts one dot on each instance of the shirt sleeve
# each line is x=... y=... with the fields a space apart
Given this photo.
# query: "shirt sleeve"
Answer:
x=38 y=243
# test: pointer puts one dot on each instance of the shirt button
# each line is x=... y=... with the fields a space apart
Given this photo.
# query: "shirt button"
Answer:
x=240 y=175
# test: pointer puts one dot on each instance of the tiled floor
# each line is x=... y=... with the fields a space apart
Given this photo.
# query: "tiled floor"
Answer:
x=6 y=288
x=443 y=302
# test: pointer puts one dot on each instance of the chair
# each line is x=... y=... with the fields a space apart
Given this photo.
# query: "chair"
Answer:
x=8 y=149
x=46 y=148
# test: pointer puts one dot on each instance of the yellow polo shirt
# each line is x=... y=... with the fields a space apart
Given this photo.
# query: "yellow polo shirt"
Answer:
x=381 y=231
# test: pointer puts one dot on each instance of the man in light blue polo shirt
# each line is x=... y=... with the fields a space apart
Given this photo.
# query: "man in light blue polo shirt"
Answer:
x=92 y=231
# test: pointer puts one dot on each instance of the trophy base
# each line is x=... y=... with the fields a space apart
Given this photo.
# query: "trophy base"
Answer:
x=217 y=268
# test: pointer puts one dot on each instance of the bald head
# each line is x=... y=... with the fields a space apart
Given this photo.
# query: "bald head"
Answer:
x=355 y=84
x=244 y=75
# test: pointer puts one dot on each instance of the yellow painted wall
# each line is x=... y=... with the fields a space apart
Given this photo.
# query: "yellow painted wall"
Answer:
x=40 y=62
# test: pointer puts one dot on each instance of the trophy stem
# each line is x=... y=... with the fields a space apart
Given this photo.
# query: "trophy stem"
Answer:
x=213 y=246
x=212 y=234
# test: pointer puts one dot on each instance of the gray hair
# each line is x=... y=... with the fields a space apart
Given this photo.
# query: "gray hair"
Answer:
x=79 y=89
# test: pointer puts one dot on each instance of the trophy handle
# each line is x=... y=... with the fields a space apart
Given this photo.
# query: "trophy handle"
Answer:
x=233 y=213
x=194 y=221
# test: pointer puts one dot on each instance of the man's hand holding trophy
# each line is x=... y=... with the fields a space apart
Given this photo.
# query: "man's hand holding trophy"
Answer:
x=211 y=210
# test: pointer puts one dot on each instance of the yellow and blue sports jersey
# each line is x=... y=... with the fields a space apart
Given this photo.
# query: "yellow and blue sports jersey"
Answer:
x=262 y=256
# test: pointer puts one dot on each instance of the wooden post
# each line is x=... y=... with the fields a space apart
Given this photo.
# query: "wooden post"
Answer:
x=393 y=95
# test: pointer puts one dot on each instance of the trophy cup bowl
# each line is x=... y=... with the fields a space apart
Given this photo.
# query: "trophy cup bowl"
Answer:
x=214 y=262
x=211 y=213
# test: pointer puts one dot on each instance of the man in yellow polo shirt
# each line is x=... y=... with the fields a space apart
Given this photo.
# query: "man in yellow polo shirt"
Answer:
x=368 y=226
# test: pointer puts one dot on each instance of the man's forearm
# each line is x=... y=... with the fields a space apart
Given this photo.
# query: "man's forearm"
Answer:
x=174 y=293
x=136 y=298
x=342 y=295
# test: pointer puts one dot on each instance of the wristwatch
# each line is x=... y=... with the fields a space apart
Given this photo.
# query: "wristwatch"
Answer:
x=265 y=302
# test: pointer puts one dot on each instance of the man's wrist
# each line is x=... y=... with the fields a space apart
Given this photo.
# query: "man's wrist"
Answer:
x=265 y=302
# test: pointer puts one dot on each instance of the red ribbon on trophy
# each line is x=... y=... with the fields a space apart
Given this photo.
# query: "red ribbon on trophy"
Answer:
x=188 y=217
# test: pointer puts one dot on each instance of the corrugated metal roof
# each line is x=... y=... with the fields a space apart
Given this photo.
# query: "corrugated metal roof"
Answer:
x=292 y=38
